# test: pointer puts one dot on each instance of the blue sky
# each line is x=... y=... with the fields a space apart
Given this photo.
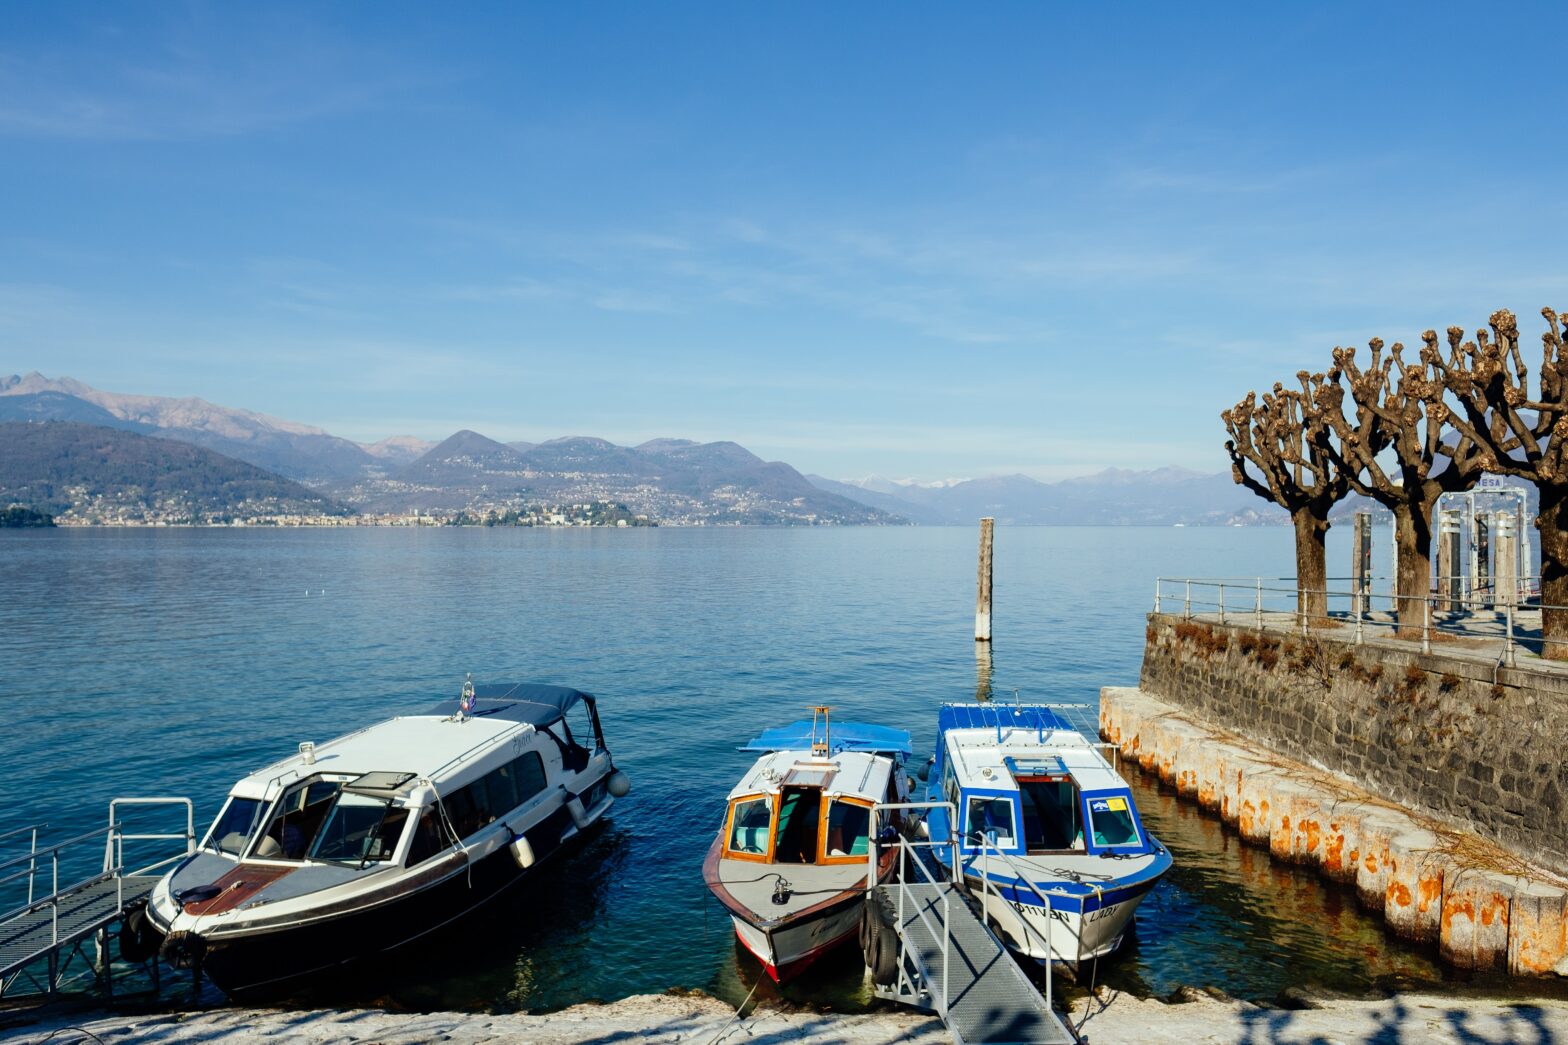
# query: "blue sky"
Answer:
x=911 y=239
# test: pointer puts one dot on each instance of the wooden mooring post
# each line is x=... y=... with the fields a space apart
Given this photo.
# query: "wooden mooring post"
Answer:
x=983 y=595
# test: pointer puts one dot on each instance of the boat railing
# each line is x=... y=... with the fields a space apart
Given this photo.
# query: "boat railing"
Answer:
x=910 y=858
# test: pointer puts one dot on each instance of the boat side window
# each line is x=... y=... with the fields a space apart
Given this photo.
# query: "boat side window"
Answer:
x=300 y=814
x=795 y=837
x=430 y=838
x=360 y=829
x=501 y=790
x=235 y=825
x=528 y=769
x=1112 y=822
x=992 y=818
x=1051 y=820
x=749 y=822
x=464 y=808
x=849 y=830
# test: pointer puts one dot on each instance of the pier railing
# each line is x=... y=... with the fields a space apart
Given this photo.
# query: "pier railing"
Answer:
x=910 y=859
x=1509 y=618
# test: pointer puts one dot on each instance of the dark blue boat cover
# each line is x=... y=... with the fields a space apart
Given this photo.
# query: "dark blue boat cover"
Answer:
x=842 y=736
x=989 y=716
x=518 y=702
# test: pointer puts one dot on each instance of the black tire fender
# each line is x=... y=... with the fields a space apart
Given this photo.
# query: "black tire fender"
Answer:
x=138 y=938
x=884 y=966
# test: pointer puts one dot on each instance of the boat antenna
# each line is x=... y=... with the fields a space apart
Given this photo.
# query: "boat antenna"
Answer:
x=825 y=746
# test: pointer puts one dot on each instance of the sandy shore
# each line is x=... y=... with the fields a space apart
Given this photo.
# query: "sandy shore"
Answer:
x=697 y=1019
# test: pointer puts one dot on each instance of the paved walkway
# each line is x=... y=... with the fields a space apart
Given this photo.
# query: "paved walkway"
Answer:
x=699 y=1020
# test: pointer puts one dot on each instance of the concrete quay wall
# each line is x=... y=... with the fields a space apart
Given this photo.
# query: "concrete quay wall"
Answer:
x=1482 y=906
x=1451 y=733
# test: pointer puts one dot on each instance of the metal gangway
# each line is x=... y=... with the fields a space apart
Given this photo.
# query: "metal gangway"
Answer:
x=47 y=933
x=948 y=961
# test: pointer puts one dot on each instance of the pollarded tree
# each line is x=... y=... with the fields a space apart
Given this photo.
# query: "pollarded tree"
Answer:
x=1285 y=440
x=1526 y=437
x=1400 y=408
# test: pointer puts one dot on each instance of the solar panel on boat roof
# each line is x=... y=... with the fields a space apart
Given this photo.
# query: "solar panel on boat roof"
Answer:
x=990 y=716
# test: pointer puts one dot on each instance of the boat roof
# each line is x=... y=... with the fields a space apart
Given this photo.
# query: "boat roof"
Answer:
x=989 y=743
x=531 y=702
x=841 y=736
x=1037 y=717
x=433 y=745
x=859 y=774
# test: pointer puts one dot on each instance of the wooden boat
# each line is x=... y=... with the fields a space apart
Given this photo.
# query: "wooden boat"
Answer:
x=1050 y=840
x=791 y=861
x=368 y=842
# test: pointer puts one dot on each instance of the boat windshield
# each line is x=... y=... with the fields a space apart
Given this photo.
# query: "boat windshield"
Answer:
x=1051 y=821
x=234 y=826
x=749 y=827
x=849 y=829
x=1112 y=819
x=299 y=815
x=360 y=830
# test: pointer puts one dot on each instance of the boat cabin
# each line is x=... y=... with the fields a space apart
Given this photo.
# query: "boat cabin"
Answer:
x=1025 y=780
x=405 y=790
x=795 y=807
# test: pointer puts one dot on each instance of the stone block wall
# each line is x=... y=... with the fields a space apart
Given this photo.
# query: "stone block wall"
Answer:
x=1473 y=744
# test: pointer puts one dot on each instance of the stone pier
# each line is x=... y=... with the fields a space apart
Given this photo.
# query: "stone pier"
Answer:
x=1483 y=906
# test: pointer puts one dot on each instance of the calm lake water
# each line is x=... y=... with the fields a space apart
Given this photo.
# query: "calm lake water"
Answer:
x=173 y=662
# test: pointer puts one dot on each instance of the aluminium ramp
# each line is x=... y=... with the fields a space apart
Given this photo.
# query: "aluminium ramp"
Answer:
x=990 y=999
x=41 y=933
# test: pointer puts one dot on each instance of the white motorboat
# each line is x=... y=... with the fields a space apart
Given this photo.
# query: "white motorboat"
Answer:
x=791 y=862
x=368 y=842
x=1049 y=839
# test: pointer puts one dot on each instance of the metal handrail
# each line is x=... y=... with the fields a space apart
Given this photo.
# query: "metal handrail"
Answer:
x=908 y=856
x=47 y=850
x=1288 y=603
x=114 y=848
x=35 y=828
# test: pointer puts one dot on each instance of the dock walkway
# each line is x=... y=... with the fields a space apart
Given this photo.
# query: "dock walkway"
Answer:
x=988 y=997
x=52 y=930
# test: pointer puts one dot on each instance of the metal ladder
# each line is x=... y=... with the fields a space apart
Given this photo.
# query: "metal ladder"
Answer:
x=47 y=931
x=948 y=961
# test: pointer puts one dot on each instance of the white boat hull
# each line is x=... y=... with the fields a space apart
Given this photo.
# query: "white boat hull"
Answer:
x=1073 y=937
x=787 y=950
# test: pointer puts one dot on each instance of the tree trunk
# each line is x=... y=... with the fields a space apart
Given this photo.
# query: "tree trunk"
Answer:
x=1552 y=522
x=1311 y=565
x=1413 y=586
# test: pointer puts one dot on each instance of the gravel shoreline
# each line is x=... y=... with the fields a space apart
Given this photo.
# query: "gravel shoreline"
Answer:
x=669 y=1018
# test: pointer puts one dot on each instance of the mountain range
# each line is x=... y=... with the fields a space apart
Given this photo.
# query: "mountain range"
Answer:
x=99 y=473
x=669 y=480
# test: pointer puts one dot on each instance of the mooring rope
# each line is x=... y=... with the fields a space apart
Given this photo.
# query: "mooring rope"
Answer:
x=726 y=1028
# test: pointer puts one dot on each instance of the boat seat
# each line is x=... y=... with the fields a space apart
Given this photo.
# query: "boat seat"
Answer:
x=269 y=849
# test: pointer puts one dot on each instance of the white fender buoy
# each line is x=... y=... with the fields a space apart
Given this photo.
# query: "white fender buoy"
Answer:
x=523 y=852
x=620 y=784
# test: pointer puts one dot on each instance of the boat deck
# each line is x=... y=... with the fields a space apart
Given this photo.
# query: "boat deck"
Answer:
x=989 y=998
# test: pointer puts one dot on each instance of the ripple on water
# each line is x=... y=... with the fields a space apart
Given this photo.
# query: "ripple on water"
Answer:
x=136 y=662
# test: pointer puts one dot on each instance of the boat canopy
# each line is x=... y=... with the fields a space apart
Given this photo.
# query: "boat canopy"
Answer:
x=842 y=736
x=530 y=702
x=999 y=716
